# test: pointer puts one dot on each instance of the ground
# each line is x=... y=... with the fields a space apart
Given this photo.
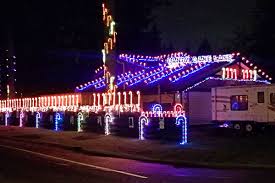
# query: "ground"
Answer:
x=207 y=147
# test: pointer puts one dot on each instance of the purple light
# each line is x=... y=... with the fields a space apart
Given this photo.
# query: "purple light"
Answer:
x=182 y=121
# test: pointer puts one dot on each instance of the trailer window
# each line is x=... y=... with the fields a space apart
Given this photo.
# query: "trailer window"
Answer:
x=260 y=97
x=239 y=102
x=272 y=98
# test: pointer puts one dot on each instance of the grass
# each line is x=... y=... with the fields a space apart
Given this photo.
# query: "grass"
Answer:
x=208 y=146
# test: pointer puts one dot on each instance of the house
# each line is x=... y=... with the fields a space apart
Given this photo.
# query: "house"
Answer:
x=180 y=78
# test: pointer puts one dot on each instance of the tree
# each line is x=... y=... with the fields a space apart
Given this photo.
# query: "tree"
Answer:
x=260 y=39
x=136 y=29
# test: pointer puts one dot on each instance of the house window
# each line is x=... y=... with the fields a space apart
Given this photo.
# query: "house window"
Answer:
x=272 y=98
x=260 y=97
x=239 y=102
x=131 y=122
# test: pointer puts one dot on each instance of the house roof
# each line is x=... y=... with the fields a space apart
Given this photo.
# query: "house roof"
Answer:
x=172 y=72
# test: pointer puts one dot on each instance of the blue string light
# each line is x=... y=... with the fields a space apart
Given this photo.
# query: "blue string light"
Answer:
x=190 y=73
x=37 y=119
x=58 y=119
x=157 y=108
x=182 y=122
x=225 y=79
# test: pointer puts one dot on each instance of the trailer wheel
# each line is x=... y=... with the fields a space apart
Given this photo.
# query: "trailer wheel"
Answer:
x=249 y=128
x=237 y=126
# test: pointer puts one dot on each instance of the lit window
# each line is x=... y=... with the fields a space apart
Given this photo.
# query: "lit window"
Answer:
x=239 y=102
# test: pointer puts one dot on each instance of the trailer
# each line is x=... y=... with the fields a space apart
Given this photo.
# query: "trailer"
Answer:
x=243 y=108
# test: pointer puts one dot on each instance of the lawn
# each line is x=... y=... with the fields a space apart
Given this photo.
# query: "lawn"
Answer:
x=208 y=146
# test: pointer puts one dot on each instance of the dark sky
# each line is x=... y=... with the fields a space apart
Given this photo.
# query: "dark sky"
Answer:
x=187 y=22
x=58 y=44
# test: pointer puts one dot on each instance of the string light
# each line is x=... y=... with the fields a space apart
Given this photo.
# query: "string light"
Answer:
x=143 y=120
x=225 y=79
x=37 y=119
x=80 y=119
x=157 y=108
x=108 y=119
x=57 y=121
x=182 y=122
x=7 y=115
x=21 y=118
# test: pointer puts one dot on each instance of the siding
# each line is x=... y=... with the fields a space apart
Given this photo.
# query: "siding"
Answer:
x=199 y=108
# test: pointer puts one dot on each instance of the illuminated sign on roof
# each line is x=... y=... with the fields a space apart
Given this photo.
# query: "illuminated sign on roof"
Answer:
x=181 y=60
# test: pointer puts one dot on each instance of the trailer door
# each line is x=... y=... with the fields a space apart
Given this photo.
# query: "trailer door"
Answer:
x=257 y=104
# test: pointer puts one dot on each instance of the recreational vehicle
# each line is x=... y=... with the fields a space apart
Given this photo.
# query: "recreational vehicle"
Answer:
x=245 y=107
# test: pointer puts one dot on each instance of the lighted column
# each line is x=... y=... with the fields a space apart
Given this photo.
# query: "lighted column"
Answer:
x=37 y=119
x=255 y=75
x=49 y=102
x=80 y=119
x=104 y=99
x=66 y=100
x=21 y=119
x=58 y=120
x=108 y=119
x=98 y=100
x=109 y=98
x=114 y=99
x=143 y=121
x=77 y=100
x=7 y=115
x=125 y=98
x=182 y=122
x=138 y=102
x=73 y=102
x=94 y=99
x=119 y=98
x=131 y=100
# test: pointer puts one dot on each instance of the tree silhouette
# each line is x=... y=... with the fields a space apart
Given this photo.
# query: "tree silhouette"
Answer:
x=136 y=29
x=260 y=39
x=204 y=48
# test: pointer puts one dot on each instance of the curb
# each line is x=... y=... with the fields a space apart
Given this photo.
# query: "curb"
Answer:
x=175 y=163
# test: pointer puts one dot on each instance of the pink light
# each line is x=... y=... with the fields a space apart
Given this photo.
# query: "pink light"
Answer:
x=77 y=100
x=119 y=98
x=59 y=101
x=125 y=98
x=98 y=99
x=94 y=99
x=131 y=99
x=73 y=100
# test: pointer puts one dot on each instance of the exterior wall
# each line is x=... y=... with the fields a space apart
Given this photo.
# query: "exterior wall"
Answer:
x=199 y=108
x=165 y=98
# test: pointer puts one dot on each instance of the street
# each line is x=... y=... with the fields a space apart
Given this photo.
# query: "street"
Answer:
x=32 y=163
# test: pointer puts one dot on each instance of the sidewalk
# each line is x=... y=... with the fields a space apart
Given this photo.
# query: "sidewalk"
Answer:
x=203 y=151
